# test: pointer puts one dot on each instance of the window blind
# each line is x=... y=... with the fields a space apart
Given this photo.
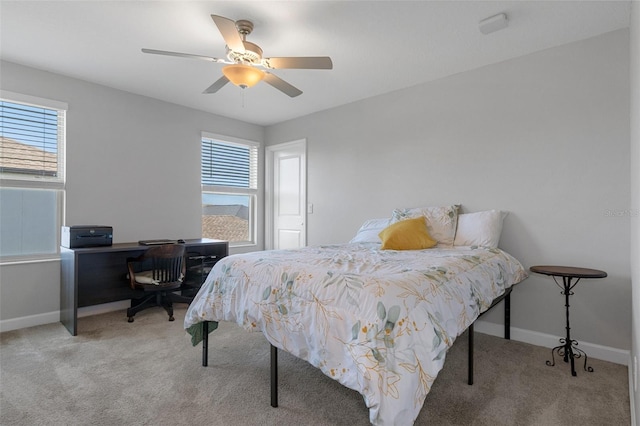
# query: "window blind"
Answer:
x=31 y=139
x=229 y=164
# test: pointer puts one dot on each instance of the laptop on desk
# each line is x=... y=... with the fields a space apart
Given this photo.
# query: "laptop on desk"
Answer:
x=156 y=242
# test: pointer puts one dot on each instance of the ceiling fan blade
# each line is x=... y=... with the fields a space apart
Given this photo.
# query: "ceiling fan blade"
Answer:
x=217 y=85
x=230 y=34
x=183 y=55
x=281 y=85
x=301 y=62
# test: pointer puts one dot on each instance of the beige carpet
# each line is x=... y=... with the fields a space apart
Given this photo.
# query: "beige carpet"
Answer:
x=147 y=373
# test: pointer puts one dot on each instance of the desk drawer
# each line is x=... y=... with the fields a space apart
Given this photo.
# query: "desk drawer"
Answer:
x=200 y=261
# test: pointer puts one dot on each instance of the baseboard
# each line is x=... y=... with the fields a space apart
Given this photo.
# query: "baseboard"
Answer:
x=29 y=321
x=104 y=308
x=632 y=393
x=605 y=353
x=53 y=317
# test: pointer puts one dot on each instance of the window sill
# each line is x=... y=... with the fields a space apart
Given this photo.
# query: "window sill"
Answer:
x=243 y=248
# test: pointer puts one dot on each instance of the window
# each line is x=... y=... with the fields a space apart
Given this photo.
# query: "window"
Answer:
x=32 y=140
x=229 y=174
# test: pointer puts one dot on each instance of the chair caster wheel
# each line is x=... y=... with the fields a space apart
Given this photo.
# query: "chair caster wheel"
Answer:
x=171 y=318
x=130 y=319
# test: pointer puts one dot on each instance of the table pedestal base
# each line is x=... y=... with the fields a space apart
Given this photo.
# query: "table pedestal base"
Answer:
x=570 y=352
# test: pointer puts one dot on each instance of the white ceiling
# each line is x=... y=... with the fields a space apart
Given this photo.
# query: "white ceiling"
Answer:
x=376 y=46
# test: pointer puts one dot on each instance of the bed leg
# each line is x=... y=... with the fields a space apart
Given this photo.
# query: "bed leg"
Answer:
x=205 y=343
x=507 y=316
x=274 y=376
x=470 y=355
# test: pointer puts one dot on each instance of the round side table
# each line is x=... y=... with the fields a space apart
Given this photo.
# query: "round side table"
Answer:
x=568 y=348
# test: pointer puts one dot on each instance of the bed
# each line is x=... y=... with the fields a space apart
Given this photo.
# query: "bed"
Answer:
x=376 y=319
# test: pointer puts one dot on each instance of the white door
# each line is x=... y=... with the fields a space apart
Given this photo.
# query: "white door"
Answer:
x=286 y=195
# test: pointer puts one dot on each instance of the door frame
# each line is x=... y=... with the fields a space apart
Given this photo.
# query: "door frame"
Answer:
x=269 y=224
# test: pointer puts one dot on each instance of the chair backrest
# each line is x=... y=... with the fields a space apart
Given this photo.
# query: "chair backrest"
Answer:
x=165 y=262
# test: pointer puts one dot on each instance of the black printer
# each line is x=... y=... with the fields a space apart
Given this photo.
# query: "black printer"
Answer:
x=81 y=236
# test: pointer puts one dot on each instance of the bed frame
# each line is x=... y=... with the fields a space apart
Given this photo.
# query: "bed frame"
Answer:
x=506 y=296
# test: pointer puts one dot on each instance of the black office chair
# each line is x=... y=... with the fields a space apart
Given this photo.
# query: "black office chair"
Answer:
x=155 y=276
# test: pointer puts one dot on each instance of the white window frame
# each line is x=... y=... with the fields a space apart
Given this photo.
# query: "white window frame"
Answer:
x=53 y=183
x=252 y=192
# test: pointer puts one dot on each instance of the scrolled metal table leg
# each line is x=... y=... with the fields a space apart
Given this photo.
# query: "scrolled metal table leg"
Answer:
x=578 y=353
x=561 y=350
x=568 y=348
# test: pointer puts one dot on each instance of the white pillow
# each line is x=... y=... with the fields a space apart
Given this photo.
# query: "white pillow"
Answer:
x=145 y=277
x=441 y=221
x=480 y=228
x=368 y=232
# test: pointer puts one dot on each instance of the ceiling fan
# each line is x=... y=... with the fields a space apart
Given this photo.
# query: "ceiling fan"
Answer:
x=245 y=62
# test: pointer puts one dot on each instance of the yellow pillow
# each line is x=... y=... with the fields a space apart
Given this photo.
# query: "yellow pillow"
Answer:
x=409 y=234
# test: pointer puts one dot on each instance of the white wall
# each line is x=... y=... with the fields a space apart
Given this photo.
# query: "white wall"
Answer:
x=635 y=202
x=544 y=136
x=132 y=163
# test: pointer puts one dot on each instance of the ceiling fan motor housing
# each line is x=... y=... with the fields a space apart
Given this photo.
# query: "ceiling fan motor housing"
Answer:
x=251 y=55
x=244 y=27
x=252 y=52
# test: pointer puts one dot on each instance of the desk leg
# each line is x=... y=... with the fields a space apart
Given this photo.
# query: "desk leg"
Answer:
x=568 y=348
x=69 y=290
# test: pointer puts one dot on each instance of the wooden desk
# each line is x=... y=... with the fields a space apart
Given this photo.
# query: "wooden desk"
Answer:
x=96 y=275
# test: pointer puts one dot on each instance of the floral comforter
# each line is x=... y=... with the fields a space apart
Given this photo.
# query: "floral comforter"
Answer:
x=378 y=321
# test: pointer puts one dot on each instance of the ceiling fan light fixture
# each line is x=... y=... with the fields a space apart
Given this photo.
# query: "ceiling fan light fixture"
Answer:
x=243 y=75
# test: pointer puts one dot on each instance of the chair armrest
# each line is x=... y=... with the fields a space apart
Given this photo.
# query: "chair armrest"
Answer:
x=131 y=274
x=136 y=259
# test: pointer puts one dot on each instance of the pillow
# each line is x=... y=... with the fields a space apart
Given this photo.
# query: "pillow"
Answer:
x=368 y=232
x=480 y=228
x=441 y=221
x=145 y=277
x=410 y=234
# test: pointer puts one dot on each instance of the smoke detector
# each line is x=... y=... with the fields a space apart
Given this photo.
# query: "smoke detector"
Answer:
x=493 y=23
